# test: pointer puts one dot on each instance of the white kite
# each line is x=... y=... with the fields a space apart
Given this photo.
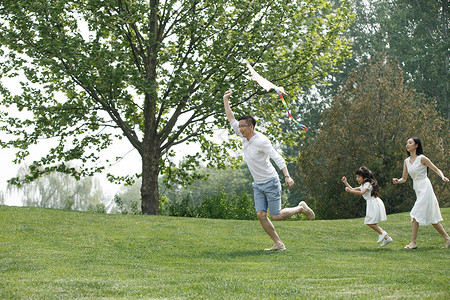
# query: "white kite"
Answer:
x=267 y=85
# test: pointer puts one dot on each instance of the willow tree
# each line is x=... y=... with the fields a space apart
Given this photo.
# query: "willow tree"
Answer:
x=60 y=191
x=152 y=72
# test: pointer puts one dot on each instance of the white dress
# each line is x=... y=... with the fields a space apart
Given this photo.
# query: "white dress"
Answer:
x=426 y=209
x=375 y=211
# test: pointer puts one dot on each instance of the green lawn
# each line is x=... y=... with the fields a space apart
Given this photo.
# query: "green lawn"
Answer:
x=47 y=254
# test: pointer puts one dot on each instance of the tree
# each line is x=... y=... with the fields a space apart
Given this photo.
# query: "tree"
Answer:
x=60 y=191
x=368 y=124
x=414 y=32
x=153 y=72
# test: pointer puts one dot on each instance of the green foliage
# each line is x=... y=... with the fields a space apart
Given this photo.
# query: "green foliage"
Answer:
x=124 y=208
x=54 y=254
x=223 y=194
x=151 y=72
x=120 y=205
x=68 y=204
x=127 y=199
x=135 y=209
x=181 y=208
x=368 y=124
x=230 y=181
x=225 y=206
x=163 y=201
x=100 y=208
x=415 y=33
x=215 y=206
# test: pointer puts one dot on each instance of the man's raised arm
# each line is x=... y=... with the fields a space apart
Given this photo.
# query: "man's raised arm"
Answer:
x=226 y=103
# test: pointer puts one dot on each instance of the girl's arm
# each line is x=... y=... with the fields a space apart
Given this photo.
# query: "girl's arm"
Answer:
x=349 y=189
x=427 y=162
x=404 y=176
x=344 y=180
x=356 y=191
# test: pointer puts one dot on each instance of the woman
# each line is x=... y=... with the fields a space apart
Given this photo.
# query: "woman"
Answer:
x=426 y=209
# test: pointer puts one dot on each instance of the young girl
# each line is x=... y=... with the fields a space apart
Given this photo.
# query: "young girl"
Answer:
x=426 y=209
x=375 y=211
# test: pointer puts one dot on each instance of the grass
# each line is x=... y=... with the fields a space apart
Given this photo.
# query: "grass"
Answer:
x=48 y=254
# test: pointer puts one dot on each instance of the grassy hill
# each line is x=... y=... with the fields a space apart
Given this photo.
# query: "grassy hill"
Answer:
x=47 y=254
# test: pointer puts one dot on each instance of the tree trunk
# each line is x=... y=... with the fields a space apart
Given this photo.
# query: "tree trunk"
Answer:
x=150 y=151
x=149 y=188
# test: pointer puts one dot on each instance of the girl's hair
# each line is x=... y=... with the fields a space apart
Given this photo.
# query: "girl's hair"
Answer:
x=368 y=177
x=419 y=150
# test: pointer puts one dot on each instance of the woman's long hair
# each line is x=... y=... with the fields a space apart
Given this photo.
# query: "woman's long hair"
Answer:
x=419 y=150
x=368 y=177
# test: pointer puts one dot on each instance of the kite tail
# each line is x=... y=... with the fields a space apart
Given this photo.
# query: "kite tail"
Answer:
x=302 y=127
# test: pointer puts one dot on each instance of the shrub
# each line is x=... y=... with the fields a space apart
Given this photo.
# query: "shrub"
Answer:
x=100 y=208
x=120 y=205
x=217 y=206
x=182 y=208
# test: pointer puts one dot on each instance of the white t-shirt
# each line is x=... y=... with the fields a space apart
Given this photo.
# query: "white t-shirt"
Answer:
x=257 y=153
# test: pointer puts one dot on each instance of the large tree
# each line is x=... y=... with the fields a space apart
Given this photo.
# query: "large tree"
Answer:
x=154 y=73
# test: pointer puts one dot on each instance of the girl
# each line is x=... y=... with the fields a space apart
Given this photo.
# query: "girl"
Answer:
x=426 y=209
x=375 y=211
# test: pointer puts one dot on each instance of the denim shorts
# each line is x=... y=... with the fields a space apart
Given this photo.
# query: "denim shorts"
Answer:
x=268 y=196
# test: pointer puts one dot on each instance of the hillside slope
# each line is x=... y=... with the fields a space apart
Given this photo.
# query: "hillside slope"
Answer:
x=46 y=254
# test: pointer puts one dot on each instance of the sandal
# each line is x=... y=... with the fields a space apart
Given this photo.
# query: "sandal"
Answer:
x=410 y=247
x=276 y=247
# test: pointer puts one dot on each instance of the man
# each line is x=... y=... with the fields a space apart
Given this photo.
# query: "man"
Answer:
x=266 y=186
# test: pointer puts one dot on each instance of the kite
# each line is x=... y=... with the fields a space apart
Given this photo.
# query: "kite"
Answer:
x=267 y=85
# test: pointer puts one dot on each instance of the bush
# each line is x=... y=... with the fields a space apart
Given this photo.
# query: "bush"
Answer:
x=217 y=206
x=183 y=208
x=100 y=208
x=68 y=204
x=134 y=208
x=120 y=205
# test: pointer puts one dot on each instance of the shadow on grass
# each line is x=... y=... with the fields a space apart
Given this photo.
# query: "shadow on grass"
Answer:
x=239 y=254
x=393 y=249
